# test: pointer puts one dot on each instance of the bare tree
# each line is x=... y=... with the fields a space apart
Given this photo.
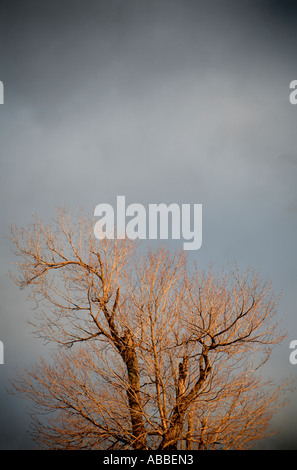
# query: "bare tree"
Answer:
x=154 y=355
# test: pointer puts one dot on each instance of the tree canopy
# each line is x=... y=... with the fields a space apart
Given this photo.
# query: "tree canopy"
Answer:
x=154 y=353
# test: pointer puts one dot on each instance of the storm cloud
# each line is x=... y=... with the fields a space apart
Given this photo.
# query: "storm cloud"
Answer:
x=160 y=101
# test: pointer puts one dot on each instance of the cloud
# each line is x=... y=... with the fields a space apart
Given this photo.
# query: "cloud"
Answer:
x=162 y=101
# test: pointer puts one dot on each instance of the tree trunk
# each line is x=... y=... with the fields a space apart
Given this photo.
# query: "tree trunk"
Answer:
x=133 y=391
x=190 y=431
x=170 y=439
x=183 y=401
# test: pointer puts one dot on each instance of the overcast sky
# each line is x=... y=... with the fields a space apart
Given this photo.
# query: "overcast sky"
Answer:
x=161 y=101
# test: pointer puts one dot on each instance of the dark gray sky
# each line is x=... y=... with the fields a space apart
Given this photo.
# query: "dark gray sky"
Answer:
x=162 y=101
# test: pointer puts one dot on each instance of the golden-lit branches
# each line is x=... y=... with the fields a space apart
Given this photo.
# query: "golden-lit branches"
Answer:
x=154 y=355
